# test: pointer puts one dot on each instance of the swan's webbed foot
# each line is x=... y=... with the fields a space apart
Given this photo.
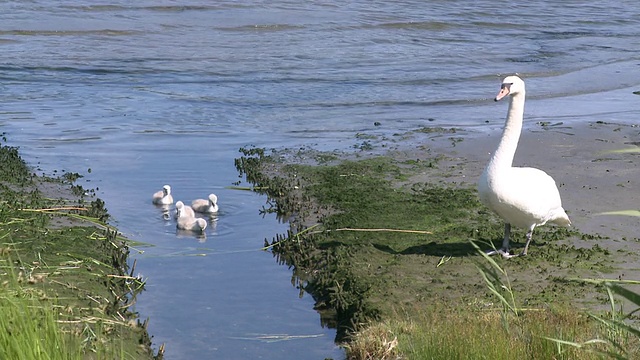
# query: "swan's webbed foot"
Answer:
x=504 y=252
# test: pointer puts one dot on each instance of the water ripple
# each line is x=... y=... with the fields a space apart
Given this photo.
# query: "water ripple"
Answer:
x=73 y=33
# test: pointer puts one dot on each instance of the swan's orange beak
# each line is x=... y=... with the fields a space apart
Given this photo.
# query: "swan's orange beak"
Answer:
x=504 y=91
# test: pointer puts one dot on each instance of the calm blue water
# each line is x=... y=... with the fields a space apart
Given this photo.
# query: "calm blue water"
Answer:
x=166 y=92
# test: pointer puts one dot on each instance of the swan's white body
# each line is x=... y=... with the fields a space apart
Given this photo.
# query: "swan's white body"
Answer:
x=191 y=224
x=524 y=197
x=184 y=211
x=209 y=206
x=163 y=197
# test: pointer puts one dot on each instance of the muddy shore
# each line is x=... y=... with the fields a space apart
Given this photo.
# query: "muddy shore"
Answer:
x=375 y=275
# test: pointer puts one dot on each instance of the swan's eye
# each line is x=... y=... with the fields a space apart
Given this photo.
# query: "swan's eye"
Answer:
x=506 y=85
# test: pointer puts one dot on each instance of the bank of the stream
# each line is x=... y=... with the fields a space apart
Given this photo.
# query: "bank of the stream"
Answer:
x=67 y=287
x=383 y=242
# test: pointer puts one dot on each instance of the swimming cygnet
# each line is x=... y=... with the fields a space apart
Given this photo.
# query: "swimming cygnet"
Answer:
x=163 y=197
x=184 y=211
x=191 y=224
x=209 y=206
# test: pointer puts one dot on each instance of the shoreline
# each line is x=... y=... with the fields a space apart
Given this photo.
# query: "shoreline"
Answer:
x=384 y=269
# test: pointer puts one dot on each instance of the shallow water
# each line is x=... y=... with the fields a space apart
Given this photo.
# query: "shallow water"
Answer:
x=160 y=92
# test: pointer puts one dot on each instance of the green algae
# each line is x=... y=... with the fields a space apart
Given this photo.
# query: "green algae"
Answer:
x=357 y=276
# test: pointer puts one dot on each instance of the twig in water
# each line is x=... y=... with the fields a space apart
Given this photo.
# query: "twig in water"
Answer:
x=296 y=235
x=347 y=229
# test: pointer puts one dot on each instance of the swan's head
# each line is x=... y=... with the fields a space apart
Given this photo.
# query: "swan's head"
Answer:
x=511 y=85
x=213 y=199
x=166 y=189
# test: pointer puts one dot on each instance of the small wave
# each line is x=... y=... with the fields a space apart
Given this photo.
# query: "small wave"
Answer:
x=105 y=32
x=70 y=69
x=262 y=28
x=499 y=25
x=68 y=140
x=417 y=25
x=159 y=8
x=558 y=35
x=150 y=131
x=178 y=8
x=97 y=8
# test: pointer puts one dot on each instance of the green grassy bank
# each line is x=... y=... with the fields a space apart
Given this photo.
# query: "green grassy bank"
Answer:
x=66 y=285
x=390 y=261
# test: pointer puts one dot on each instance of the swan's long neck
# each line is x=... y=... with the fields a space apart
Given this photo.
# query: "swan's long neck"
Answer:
x=503 y=156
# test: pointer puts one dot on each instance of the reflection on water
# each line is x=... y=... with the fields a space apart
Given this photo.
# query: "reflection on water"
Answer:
x=151 y=92
x=166 y=211
x=200 y=236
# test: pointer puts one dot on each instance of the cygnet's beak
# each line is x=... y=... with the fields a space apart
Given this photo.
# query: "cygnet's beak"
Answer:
x=504 y=91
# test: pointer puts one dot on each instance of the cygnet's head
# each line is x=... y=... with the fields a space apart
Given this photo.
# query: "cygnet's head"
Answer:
x=179 y=208
x=202 y=223
x=213 y=199
x=166 y=189
x=511 y=85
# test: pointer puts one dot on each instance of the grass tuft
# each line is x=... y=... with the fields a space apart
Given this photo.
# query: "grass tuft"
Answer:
x=373 y=342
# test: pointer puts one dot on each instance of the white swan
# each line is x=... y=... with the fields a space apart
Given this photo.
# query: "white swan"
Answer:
x=163 y=197
x=522 y=196
x=191 y=224
x=209 y=206
x=184 y=211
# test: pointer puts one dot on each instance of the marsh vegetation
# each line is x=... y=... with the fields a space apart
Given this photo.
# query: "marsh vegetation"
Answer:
x=66 y=286
x=391 y=263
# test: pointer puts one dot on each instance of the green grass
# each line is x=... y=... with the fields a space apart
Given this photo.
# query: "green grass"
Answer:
x=29 y=327
x=445 y=333
x=35 y=326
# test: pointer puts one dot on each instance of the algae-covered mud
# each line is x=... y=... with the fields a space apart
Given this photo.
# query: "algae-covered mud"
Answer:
x=380 y=233
x=71 y=270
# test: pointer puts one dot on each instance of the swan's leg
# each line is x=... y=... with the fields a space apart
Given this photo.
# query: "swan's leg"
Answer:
x=504 y=250
x=507 y=234
x=529 y=236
